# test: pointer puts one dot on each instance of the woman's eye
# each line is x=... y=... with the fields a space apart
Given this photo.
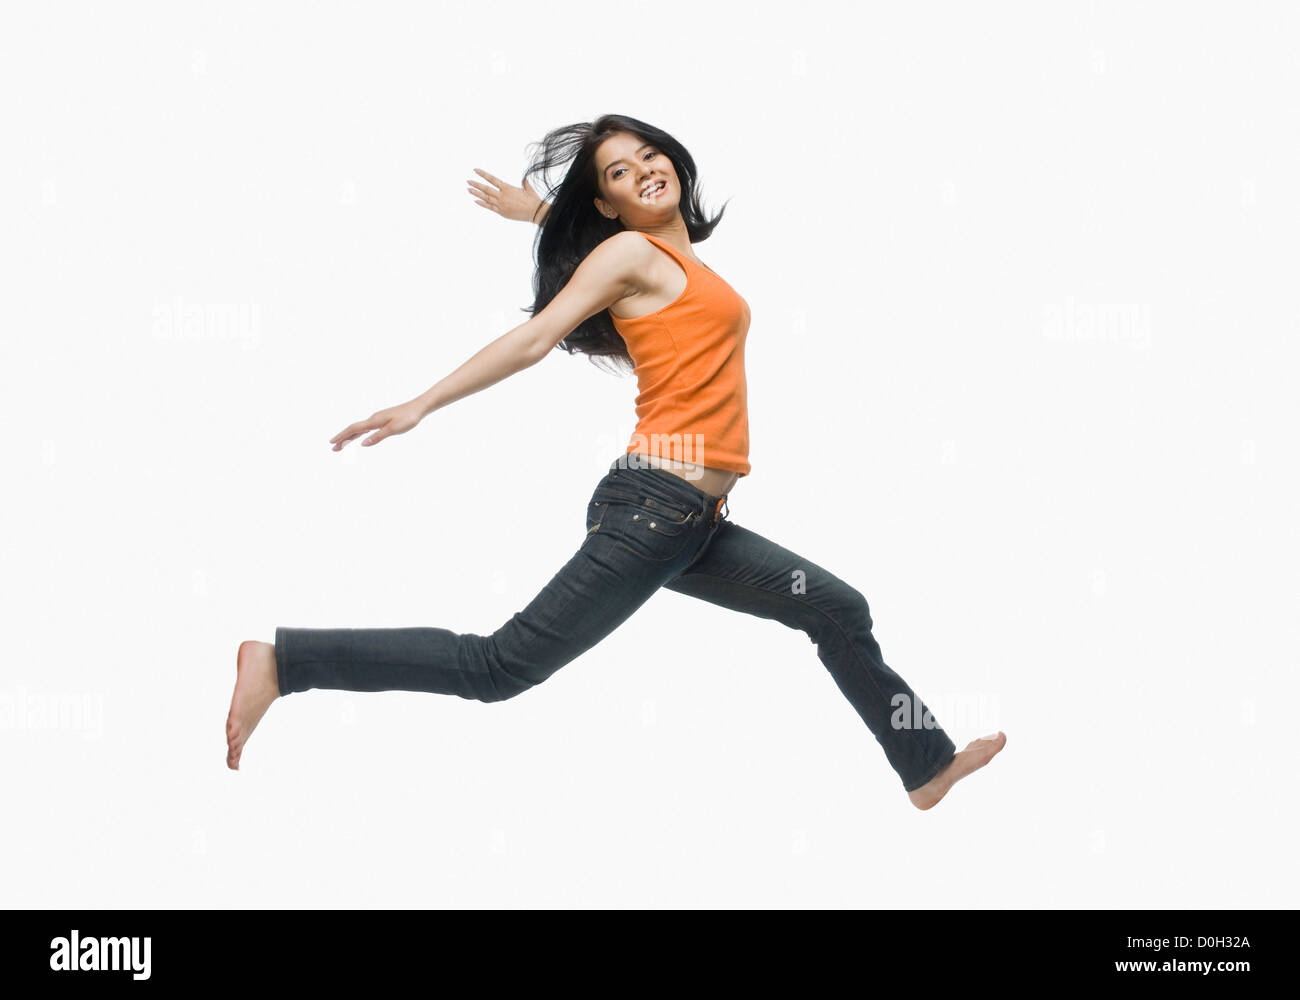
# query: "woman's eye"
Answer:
x=649 y=153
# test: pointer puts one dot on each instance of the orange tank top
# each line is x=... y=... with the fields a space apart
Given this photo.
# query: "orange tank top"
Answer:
x=689 y=361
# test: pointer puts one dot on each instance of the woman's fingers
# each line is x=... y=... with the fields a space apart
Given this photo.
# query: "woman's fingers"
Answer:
x=351 y=431
x=385 y=423
x=507 y=200
x=382 y=428
x=345 y=435
x=495 y=180
x=483 y=195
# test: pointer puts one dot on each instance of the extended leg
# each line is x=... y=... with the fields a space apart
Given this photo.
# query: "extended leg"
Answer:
x=600 y=586
x=744 y=571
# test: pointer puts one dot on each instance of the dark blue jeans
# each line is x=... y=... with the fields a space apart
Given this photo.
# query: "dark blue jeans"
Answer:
x=646 y=529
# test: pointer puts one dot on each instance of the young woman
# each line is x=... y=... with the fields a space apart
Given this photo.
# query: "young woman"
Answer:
x=617 y=277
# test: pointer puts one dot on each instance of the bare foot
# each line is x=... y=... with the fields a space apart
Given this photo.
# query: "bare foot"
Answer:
x=256 y=686
x=976 y=755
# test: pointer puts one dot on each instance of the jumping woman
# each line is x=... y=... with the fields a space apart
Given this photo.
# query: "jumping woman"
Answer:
x=617 y=277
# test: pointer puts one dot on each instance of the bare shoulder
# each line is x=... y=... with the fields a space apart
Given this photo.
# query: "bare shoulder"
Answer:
x=628 y=237
x=609 y=273
x=622 y=258
x=629 y=246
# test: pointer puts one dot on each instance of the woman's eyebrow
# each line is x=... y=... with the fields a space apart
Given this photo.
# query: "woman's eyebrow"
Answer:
x=620 y=160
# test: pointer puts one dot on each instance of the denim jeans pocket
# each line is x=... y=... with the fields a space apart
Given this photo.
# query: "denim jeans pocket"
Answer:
x=645 y=520
x=666 y=513
x=650 y=531
x=595 y=514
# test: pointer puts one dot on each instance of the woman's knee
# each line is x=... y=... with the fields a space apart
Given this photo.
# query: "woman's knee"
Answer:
x=509 y=679
x=502 y=685
x=856 y=606
x=492 y=671
x=839 y=606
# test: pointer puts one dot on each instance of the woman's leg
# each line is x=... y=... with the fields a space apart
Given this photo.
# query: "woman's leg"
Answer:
x=742 y=570
x=639 y=535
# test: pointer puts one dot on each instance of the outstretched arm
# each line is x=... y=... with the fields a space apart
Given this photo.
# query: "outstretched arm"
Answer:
x=607 y=274
x=521 y=204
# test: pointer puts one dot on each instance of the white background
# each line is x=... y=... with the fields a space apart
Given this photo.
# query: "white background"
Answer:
x=1020 y=368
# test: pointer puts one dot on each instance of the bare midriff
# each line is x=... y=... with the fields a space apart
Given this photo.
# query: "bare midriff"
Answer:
x=707 y=479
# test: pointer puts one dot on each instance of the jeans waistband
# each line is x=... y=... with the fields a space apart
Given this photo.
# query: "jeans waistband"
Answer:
x=706 y=504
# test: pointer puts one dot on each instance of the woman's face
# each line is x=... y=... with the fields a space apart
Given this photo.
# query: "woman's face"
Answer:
x=637 y=182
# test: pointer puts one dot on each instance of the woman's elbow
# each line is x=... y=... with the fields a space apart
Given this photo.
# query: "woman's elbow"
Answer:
x=539 y=341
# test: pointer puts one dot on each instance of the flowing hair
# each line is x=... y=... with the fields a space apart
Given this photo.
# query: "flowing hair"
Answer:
x=573 y=228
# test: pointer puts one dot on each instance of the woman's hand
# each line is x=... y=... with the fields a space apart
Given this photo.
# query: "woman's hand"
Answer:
x=508 y=201
x=394 y=420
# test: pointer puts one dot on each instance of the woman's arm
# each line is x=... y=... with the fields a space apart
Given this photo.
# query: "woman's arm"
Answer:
x=520 y=204
x=611 y=271
x=606 y=275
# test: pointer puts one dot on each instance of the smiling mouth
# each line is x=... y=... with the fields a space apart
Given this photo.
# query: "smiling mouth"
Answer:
x=655 y=193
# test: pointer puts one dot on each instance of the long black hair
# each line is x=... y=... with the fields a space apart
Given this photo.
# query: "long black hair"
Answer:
x=573 y=228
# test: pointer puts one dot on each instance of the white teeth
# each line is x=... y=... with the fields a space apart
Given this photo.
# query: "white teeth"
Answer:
x=650 y=192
